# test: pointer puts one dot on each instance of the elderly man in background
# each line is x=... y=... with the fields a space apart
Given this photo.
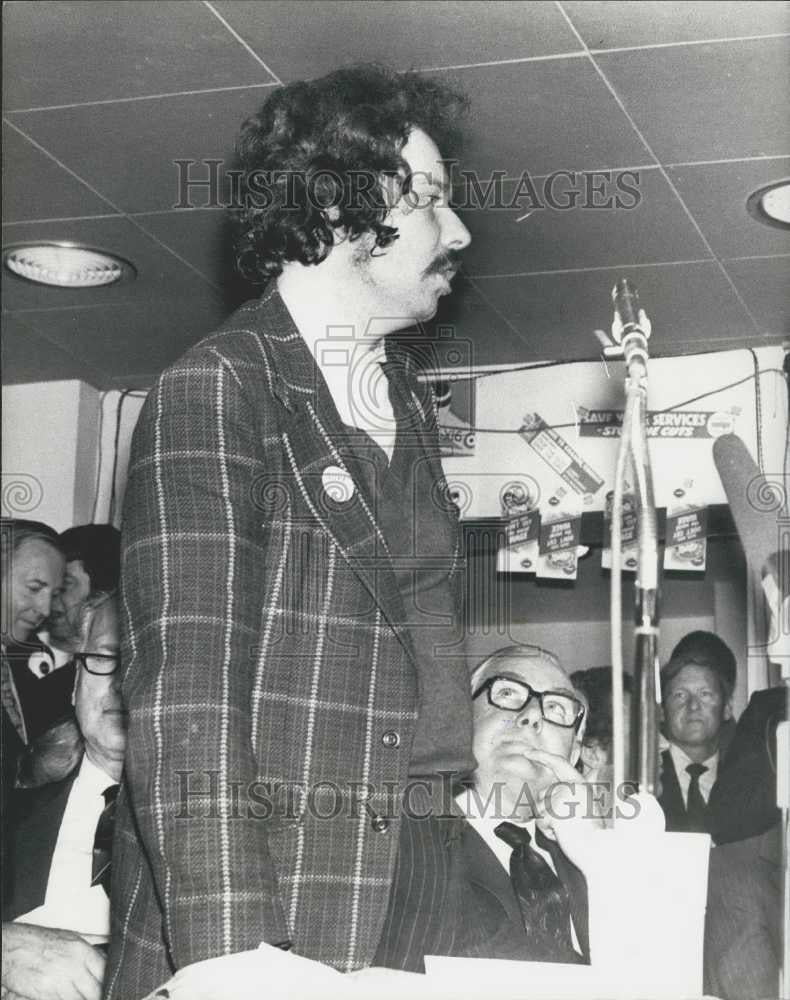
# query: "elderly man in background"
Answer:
x=56 y=907
x=528 y=730
x=696 y=688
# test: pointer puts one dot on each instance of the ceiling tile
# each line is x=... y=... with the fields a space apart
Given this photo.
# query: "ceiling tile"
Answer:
x=640 y=221
x=691 y=306
x=300 y=41
x=159 y=273
x=544 y=116
x=608 y=24
x=471 y=328
x=29 y=357
x=131 y=340
x=204 y=238
x=764 y=285
x=707 y=102
x=63 y=53
x=692 y=102
x=716 y=195
x=34 y=187
x=128 y=151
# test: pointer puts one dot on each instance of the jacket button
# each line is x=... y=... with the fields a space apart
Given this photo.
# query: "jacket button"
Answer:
x=390 y=738
x=379 y=824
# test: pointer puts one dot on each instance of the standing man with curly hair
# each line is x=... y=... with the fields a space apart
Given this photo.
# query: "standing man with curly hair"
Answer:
x=292 y=574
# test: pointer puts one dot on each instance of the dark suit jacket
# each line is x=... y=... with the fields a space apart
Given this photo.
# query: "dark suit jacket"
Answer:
x=498 y=914
x=12 y=749
x=263 y=651
x=671 y=798
x=743 y=801
x=34 y=823
x=744 y=919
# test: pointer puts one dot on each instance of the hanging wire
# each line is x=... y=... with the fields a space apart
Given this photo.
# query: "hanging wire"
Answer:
x=116 y=443
x=666 y=409
x=100 y=458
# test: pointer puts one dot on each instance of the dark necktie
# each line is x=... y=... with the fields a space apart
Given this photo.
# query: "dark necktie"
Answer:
x=544 y=901
x=696 y=809
x=102 y=841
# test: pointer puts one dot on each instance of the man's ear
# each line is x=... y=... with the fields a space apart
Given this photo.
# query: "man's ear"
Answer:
x=727 y=710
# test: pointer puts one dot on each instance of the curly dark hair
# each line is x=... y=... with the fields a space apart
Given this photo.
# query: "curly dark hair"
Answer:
x=325 y=144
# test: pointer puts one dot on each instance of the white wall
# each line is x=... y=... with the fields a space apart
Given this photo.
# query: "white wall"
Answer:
x=50 y=448
x=59 y=448
x=118 y=413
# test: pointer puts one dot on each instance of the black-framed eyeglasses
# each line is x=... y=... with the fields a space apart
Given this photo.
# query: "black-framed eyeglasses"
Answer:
x=98 y=663
x=512 y=696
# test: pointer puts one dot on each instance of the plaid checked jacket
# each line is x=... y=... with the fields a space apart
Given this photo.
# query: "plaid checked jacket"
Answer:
x=265 y=661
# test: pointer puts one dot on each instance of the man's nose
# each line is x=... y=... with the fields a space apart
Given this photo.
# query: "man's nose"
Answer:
x=530 y=715
x=456 y=235
x=43 y=603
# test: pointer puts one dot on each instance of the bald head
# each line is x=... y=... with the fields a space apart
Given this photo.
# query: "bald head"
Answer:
x=525 y=657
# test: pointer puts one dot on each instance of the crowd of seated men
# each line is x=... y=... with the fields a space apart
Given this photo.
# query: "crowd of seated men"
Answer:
x=535 y=729
x=64 y=736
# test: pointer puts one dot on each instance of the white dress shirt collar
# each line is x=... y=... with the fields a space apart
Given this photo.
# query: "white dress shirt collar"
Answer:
x=707 y=779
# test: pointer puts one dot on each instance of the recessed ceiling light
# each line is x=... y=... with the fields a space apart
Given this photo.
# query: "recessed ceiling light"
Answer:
x=67 y=265
x=771 y=205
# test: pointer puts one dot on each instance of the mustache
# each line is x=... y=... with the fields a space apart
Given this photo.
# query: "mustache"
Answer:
x=449 y=261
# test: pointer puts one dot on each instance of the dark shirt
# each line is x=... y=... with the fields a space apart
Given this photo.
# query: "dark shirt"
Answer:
x=422 y=553
x=743 y=800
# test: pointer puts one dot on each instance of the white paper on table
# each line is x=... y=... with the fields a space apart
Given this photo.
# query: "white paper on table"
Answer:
x=510 y=980
x=499 y=979
x=268 y=973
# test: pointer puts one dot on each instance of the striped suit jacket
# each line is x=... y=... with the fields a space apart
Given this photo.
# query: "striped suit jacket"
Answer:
x=266 y=665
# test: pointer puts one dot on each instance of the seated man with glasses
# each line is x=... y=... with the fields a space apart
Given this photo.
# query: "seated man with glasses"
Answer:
x=528 y=727
x=56 y=900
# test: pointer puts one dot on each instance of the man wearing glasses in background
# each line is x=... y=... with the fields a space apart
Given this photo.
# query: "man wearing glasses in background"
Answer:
x=528 y=726
x=56 y=910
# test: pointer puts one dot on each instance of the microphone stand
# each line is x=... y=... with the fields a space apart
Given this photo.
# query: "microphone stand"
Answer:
x=630 y=331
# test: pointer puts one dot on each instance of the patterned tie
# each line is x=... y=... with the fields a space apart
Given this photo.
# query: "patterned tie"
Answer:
x=696 y=809
x=102 y=841
x=543 y=898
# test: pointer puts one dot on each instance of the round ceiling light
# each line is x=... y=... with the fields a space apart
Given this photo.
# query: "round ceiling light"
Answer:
x=771 y=205
x=66 y=265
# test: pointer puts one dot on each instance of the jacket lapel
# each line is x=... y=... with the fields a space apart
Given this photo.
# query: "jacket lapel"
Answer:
x=576 y=884
x=417 y=407
x=485 y=871
x=671 y=799
x=313 y=435
x=36 y=817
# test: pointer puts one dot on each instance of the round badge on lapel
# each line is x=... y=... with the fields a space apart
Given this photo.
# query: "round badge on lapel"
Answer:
x=338 y=485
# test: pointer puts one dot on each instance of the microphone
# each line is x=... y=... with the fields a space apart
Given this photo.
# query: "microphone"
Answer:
x=753 y=500
x=626 y=304
x=630 y=326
